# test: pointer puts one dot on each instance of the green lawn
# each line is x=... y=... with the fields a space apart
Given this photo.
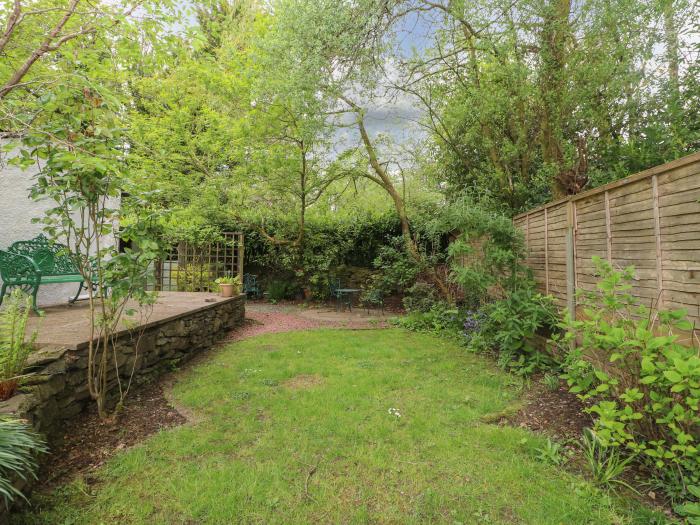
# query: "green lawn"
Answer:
x=379 y=426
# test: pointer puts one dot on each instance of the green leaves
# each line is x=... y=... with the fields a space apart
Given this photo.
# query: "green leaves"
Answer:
x=645 y=387
x=673 y=376
x=19 y=446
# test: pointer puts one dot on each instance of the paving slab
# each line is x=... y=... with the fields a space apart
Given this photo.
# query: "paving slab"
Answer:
x=69 y=325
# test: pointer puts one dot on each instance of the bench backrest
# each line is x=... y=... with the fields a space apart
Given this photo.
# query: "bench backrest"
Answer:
x=51 y=258
x=250 y=282
x=13 y=266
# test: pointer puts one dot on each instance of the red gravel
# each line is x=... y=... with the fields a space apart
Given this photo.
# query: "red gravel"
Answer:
x=269 y=322
x=258 y=323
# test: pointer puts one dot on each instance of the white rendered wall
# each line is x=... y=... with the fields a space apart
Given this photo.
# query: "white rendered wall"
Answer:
x=17 y=210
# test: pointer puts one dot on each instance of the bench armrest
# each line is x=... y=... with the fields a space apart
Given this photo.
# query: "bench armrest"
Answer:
x=15 y=266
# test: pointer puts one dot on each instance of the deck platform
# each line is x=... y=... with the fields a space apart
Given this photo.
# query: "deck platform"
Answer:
x=152 y=342
x=69 y=325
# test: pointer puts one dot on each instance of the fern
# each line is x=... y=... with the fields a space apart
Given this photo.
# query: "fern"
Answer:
x=19 y=447
x=14 y=345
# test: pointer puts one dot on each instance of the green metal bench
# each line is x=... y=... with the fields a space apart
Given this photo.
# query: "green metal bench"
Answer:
x=30 y=264
x=250 y=285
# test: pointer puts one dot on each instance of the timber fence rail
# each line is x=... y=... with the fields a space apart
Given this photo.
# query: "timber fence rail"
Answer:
x=650 y=220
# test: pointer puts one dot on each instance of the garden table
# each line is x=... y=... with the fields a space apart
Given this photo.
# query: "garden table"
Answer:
x=341 y=292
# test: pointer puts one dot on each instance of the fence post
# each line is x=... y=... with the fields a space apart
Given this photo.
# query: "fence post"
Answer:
x=570 y=260
x=241 y=252
x=657 y=238
x=608 y=229
x=546 y=253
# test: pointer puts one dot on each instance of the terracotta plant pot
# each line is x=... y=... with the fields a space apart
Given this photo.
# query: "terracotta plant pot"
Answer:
x=226 y=290
x=7 y=389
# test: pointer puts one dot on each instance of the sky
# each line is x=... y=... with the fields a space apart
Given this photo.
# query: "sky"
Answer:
x=391 y=113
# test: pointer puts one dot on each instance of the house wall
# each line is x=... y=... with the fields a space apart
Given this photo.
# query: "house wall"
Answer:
x=17 y=209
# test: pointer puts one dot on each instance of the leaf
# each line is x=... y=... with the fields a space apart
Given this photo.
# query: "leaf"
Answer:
x=685 y=325
x=673 y=376
x=602 y=376
x=648 y=364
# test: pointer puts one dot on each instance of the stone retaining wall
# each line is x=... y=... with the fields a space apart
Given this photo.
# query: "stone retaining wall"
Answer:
x=56 y=391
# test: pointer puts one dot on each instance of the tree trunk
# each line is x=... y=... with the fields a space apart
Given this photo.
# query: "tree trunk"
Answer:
x=555 y=38
x=383 y=179
x=671 y=41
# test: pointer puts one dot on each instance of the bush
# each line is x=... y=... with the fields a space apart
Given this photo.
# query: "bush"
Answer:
x=278 y=290
x=420 y=297
x=194 y=277
x=509 y=326
x=14 y=346
x=440 y=319
x=18 y=449
x=642 y=385
x=330 y=244
x=398 y=271
x=486 y=255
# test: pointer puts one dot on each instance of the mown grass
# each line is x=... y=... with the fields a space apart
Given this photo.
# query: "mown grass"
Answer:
x=380 y=426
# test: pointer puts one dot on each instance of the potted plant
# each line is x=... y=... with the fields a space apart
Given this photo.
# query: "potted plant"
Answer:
x=229 y=286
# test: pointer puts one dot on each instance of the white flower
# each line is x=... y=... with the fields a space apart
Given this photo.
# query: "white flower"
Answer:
x=395 y=412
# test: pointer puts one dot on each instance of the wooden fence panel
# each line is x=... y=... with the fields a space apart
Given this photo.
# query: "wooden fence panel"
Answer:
x=650 y=220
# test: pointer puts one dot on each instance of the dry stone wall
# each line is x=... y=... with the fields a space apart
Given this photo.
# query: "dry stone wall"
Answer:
x=56 y=389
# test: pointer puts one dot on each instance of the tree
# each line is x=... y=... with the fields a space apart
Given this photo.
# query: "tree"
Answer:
x=530 y=100
x=47 y=42
x=341 y=55
x=83 y=173
x=64 y=97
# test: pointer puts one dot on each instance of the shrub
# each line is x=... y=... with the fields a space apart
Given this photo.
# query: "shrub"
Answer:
x=420 y=297
x=397 y=269
x=18 y=449
x=441 y=319
x=642 y=385
x=373 y=293
x=194 y=277
x=487 y=251
x=509 y=326
x=14 y=346
x=279 y=289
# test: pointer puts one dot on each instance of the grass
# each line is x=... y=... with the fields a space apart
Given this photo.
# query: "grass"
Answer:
x=377 y=426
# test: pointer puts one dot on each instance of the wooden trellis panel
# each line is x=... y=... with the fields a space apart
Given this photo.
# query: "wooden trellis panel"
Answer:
x=195 y=267
x=650 y=220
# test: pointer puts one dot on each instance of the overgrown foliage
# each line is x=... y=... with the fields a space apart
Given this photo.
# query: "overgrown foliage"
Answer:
x=641 y=380
x=15 y=346
x=19 y=448
x=485 y=256
x=496 y=307
x=516 y=328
